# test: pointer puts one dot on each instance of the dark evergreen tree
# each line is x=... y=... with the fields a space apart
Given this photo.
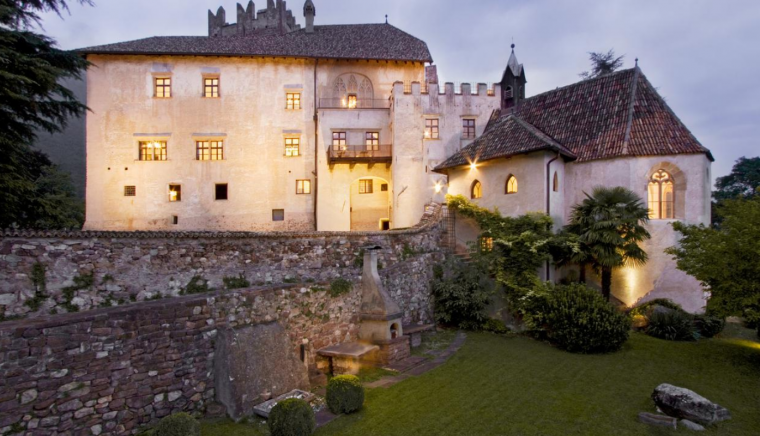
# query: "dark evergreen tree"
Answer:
x=602 y=64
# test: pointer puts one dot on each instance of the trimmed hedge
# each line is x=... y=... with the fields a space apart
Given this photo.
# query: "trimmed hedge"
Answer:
x=178 y=424
x=579 y=320
x=345 y=394
x=291 y=417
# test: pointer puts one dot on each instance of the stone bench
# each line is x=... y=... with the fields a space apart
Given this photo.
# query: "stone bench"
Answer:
x=414 y=331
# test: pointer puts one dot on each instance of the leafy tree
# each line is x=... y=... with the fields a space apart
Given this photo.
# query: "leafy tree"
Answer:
x=602 y=64
x=724 y=259
x=610 y=225
x=742 y=182
x=32 y=99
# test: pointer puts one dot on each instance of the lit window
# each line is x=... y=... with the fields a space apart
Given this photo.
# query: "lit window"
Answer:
x=292 y=146
x=130 y=191
x=511 y=187
x=162 y=87
x=661 y=196
x=351 y=101
x=152 y=150
x=365 y=186
x=476 y=191
x=468 y=128
x=339 y=141
x=175 y=193
x=220 y=191
x=278 y=214
x=555 y=184
x=293 y=100
x=431 y=128
x=211 y=87
x=209 y=150
x=372 y=141
x=486 y=243
x=303 y=186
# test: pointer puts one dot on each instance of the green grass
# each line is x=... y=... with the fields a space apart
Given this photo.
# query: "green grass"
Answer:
x=513 y=385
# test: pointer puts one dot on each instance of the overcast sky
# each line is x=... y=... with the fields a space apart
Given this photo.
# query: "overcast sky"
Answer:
x=702 y=55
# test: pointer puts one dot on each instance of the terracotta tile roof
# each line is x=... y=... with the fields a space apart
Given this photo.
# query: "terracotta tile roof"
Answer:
x=616 y=115
x=351 y=41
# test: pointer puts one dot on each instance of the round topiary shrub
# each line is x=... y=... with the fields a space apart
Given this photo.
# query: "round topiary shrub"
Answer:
x=291 y=417
x=709 y=326
x=345 y=394
x=672 y=326
x=178 y=424
x=495 y=326
x=579 y=320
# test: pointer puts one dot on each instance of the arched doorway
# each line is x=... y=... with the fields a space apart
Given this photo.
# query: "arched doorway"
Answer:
x=370 y=204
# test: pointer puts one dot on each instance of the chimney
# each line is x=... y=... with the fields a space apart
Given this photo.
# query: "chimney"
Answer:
x=377 y=304
x=309 y=11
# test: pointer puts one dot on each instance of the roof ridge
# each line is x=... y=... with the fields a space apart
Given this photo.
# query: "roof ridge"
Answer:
x=631 y=108
x=619 y=72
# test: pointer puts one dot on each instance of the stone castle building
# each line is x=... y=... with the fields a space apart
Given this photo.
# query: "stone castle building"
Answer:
x=267 y=125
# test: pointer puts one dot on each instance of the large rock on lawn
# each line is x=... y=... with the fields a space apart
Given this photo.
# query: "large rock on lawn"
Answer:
x=686 y=404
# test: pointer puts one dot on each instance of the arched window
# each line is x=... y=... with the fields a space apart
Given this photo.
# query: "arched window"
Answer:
x=476 y=191
x=511 y=186
x=660 y=190
x=555 y=183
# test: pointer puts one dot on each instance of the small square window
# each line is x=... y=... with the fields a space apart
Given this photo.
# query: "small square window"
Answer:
x=431 y=128
x=220 y=191
x=292 y=146
x=210 y=87
x=162 y=87
x=293 y=100
x=303 y=186
x=365 y=186
x=278 y=214
x=130 y=191
x=175 y=193
x=384 y=187
x=468 y=128
x=175 y=219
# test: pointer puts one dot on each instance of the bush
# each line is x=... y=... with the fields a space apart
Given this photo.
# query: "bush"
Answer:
x=673 y=326
x=236 y=282
x=708 y=326
x=345 y=394
x=291 y=417
x=647 y=308
x=461 y=294
x=178 y=424
x=579 y=320
x=495 y=326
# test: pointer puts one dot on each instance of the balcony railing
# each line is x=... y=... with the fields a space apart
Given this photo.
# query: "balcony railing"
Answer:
x=361 y=103
x=360 y=153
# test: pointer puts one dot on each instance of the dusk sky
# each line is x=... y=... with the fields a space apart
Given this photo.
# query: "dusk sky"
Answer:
x=702 y=55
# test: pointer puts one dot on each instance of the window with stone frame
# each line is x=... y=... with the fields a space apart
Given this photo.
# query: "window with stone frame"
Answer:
x=661 y=196
x=152 y=150
x=511 y=185
x=175 y=193
x=468 y=128
x=162 y=87
x=365 y=186
x=209 y=150
x=292 y=147
x=339 y=141
x=372 y=141
x=303 y=186
x=431 y=128
x=293 y=100
x=211 y=87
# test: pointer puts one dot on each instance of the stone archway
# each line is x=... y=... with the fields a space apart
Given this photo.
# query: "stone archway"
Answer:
x=370 y=204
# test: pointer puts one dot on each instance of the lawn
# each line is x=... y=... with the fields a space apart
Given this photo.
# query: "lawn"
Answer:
x=513 y=385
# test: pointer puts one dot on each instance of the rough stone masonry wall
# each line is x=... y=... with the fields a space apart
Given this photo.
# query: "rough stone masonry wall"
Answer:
x=131 y=267
x=115 y=370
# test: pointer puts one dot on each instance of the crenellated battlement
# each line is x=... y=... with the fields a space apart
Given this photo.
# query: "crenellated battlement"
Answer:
x=275 y=16
x=448 y=88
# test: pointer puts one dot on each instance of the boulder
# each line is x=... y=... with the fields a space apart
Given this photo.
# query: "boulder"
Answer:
x=686 y=404
x=691 y=425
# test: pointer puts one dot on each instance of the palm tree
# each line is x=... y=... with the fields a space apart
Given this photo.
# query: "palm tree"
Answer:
x=610 y=224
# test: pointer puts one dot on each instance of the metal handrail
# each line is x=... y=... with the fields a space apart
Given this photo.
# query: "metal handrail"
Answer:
x=361 y=103
x=350 y=152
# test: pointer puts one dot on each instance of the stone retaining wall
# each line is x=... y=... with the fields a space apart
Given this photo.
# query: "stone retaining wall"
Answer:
x=114 y=370
x=86 y=270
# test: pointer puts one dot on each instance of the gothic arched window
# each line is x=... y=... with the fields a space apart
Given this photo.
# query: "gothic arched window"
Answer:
x=511 y=186
x=476 y=190
x=660 y=195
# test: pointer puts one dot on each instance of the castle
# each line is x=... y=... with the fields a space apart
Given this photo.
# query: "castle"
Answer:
x=264 y=125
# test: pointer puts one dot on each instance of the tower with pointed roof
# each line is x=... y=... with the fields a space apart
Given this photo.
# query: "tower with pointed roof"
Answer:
x=512 y=82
